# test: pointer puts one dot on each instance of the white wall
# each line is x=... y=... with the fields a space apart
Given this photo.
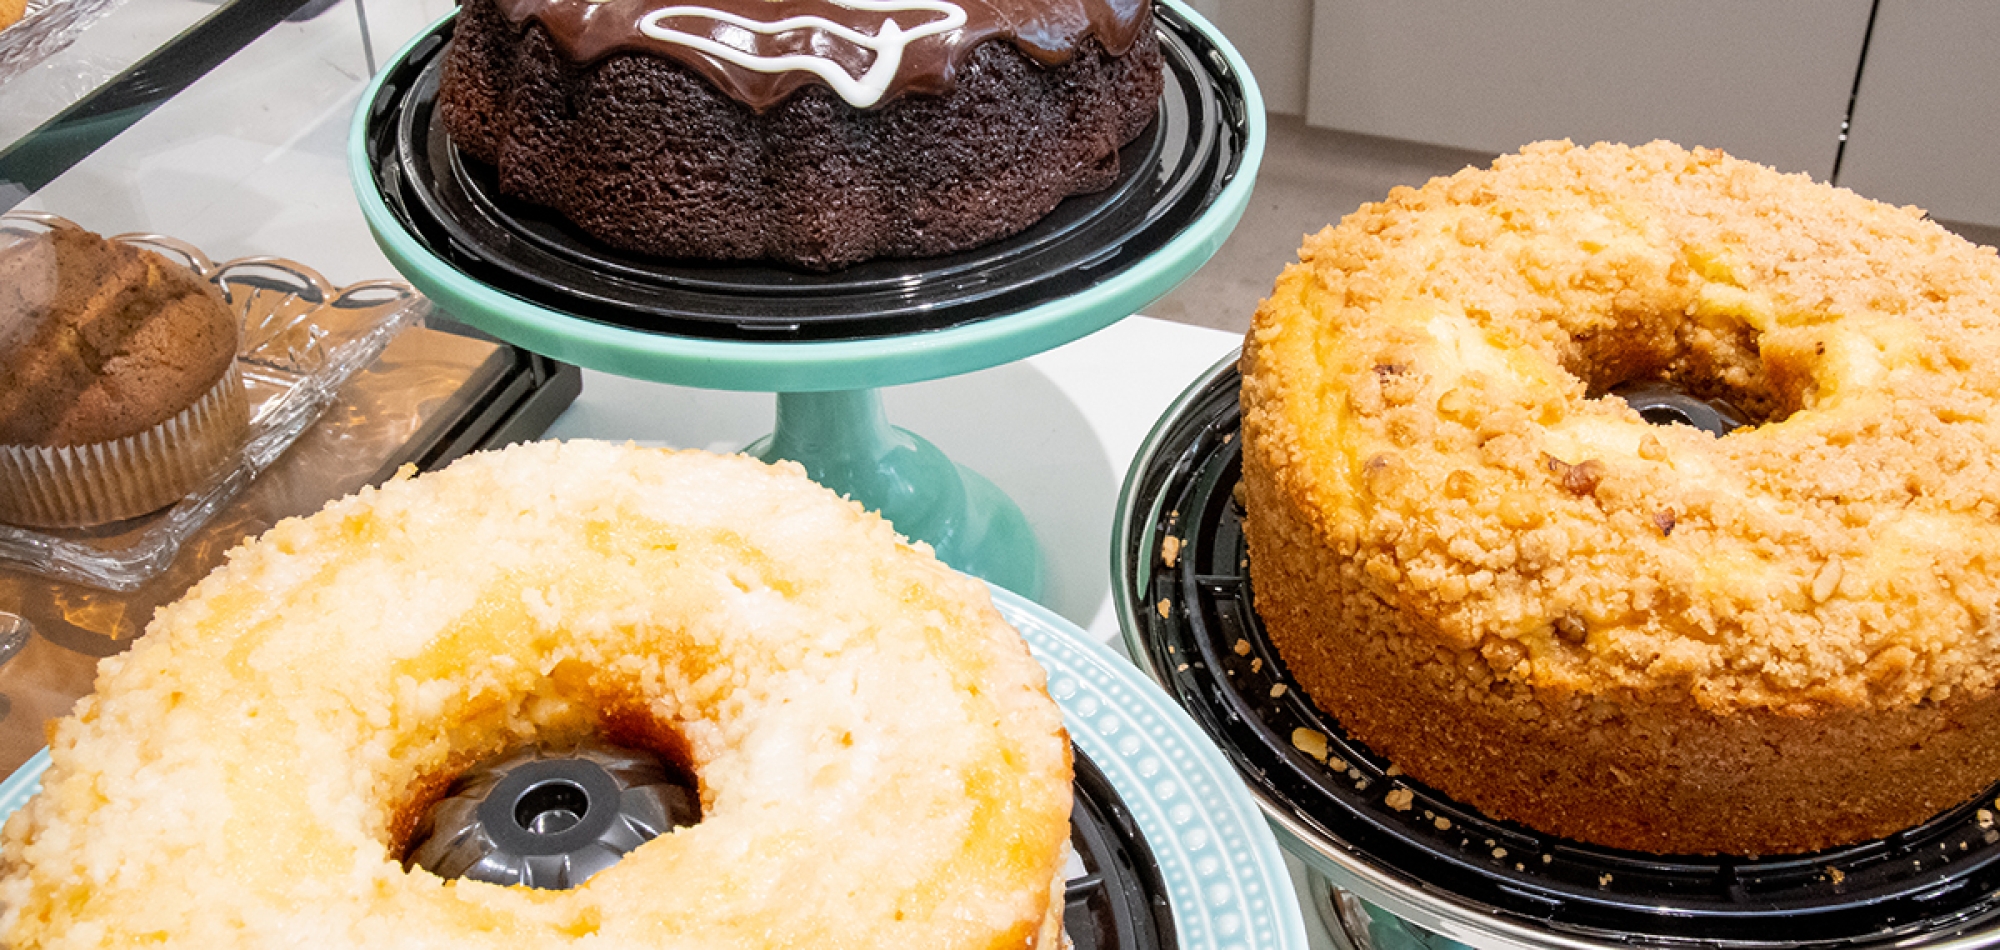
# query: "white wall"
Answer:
x=1927 y=119
x=1767 y=80
x=1274 y=37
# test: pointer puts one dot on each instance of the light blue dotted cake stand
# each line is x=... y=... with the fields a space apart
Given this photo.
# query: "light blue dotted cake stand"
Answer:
x=1224 y=874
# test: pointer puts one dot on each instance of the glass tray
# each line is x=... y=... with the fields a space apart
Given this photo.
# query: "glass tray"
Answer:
x=302 y=339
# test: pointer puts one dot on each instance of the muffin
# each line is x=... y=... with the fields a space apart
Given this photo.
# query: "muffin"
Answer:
x=119 y=391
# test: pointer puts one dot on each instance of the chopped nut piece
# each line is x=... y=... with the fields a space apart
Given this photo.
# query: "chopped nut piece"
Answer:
x=1580 y=479
x=1277 y=690
x=1400 y=799
x=1826 y=581
x=1441 y=823
x=1166 y=609
x=1664 y=520
x=1170 y=550
x=1242 y=647
x=1256 y=664
x=1499 y=854
x=1570 y=627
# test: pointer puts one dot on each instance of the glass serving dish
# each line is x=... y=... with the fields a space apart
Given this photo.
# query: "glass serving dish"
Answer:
x=302 y=339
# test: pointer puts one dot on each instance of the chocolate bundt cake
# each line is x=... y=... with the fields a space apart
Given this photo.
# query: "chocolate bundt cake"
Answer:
x=817 y=133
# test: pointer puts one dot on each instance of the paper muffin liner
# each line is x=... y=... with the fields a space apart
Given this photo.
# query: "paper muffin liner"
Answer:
x=82 y=485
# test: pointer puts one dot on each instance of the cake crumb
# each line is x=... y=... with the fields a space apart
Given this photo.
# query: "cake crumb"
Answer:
x=1277 y=690
x=1519 y=867
x=1985 y=818
x=1256 y=664
x=1835 y=875
x=1441 y=823
x=1181 y=668
x=1170 y=550
x=1310 y=742
x=1336 y=763
x=1354 y=773
x=1400 y=799
x=1242 y=647
x=1548 y=858
x=1166 y=609
x=1393 y=770
x=1499 y=854
x=1604 y=880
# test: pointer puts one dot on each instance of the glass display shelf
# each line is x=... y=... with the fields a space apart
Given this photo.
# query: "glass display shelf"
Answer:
x=220 y=124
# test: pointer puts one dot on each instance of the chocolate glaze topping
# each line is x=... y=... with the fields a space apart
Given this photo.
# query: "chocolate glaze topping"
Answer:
x=744 y=63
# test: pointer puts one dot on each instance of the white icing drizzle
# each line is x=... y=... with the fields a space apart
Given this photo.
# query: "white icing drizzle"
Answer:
x=888 y=43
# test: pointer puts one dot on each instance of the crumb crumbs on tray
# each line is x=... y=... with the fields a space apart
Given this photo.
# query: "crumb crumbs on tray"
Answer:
x=1310 y=741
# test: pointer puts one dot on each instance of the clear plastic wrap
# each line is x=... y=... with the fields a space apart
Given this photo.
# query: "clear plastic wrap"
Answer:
x=48 y=26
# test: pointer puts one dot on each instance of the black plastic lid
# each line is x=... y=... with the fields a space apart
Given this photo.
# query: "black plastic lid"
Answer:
x=1934 y=880
x=1169 y=175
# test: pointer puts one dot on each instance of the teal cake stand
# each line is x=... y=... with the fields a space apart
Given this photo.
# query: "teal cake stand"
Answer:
x=533 y=285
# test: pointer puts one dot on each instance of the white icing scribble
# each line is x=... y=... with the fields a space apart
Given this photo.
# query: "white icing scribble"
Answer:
x=888 y=43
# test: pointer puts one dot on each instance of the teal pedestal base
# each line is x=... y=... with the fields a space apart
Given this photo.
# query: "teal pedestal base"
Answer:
x=846 y=443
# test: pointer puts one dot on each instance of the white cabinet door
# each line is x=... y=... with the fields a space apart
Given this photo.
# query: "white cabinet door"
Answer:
x=1927 y=114
x=1766 y=80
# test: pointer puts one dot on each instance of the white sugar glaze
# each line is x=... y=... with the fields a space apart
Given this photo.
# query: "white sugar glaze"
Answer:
x=888 y=42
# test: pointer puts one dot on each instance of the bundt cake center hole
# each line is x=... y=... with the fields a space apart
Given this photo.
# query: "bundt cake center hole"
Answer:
x=1717 y=376
x=1665 y=403
x=550 y=817
x=552 y=807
